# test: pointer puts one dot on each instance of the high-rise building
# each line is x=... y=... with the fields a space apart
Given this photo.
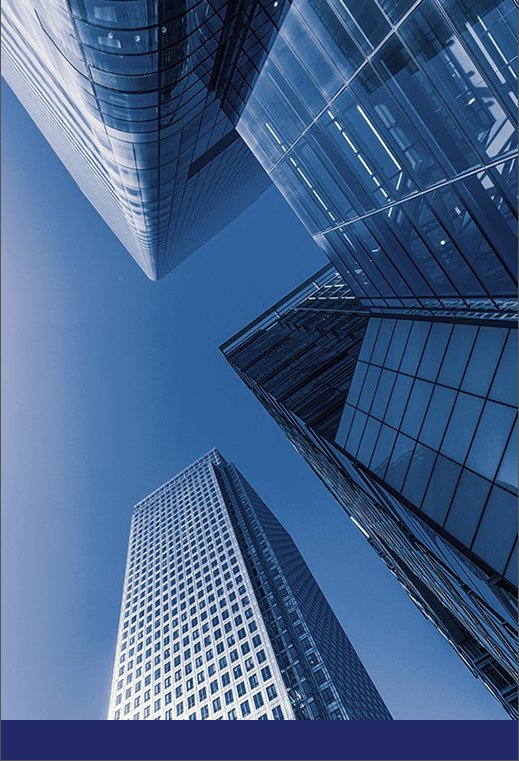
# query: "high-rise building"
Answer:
x=221 y=617
x=391 y=128
x=410 y=421
x=138 y=99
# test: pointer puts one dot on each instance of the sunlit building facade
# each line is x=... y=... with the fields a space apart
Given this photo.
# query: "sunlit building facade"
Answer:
x=410 y=421
x=137 y=98
x=221 y=617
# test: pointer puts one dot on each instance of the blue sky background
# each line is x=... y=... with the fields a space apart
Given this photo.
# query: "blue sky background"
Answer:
x=112 y=384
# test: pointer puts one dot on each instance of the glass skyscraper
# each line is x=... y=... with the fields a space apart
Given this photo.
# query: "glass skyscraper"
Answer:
x=391 y=128
x=138 y=98
x=411 y=423
x=221 y=617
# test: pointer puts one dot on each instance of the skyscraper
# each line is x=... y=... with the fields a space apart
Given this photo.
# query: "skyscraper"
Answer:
x=411 y=423
x=221 y=617
x=391 y=129
x=138 y=101
x=388 y=126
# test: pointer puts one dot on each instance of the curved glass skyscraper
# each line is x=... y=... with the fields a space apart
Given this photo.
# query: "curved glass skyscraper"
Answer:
x=136 y=98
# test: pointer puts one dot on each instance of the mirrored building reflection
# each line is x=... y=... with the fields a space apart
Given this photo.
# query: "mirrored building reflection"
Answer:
x=411 y=424
x=221 y=617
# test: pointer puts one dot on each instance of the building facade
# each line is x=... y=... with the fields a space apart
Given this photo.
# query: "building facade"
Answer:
x=411 y=423
x=221 y=617
x=138 y=99
x=391 y=129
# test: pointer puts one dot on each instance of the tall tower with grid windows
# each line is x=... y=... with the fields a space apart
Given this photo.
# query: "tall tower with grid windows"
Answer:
x=221 y=617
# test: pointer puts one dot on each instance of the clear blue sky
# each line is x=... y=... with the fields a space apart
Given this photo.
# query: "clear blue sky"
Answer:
x=112 y=384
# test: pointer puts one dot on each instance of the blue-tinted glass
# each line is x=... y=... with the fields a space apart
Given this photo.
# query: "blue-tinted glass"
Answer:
x=490 y=440
x=437 y=416
x=383 y=449
x=384 y=388
x=467 y=507
x=462 y=425
x=397 y=345
x=483 y=360
x=399 y=461
x=383 y=341
x=368 y=388
x=356 y=431
x=369 y=240
x=498 y=529
x=472 y=230
x=340 y=47
x=369 y=438
x=415 y=346
x=356 y=383
x=434 y=350
x=511 y=568
x=441 y=488
x=369 y=339
x=364 y=20
x=488 y=30
x=426 y=110
x=418 y=474
x=344 y=425
x=398 y=400
x=416 y=407
x=395 y=9
x=457 y=355
x=507 y=474
x=504 y=385
x=440 y=54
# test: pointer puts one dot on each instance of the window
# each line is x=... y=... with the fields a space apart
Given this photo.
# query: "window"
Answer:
x=228 y=696
x=245 y=708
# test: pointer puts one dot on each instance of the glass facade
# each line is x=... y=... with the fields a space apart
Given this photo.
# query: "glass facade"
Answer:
x=222 y=619
x=138 y=98
x=390 y=127
x=411 y=425
x=432 y=414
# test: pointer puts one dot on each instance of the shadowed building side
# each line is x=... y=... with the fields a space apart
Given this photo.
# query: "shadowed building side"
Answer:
x=411 y=424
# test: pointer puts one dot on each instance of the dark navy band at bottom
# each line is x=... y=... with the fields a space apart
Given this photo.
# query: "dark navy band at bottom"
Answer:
x=254 y=740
